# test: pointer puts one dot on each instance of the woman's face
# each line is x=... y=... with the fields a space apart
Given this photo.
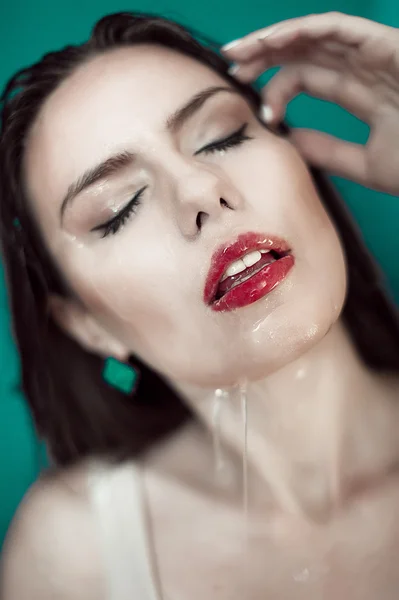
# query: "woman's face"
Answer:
x=145 y=239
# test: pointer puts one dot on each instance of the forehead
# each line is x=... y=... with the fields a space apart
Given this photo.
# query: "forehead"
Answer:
x=107 y=104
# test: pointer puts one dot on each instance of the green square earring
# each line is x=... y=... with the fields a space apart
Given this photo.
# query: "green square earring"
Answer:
x=120 y=375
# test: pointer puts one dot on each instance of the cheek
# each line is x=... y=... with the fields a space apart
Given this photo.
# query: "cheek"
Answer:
x=276 y=182
x=131 y=282
x=278 y=185
x=124 y=290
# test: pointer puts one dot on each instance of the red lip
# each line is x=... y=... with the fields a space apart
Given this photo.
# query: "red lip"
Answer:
x=259 y=284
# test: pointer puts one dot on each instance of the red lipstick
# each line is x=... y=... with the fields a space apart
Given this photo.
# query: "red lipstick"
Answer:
x=225 y=293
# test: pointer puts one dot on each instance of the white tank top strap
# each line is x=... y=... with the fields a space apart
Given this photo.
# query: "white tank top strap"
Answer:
x=116 y=496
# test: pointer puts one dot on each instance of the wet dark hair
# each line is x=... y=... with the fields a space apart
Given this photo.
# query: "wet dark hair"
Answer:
x=75 y=411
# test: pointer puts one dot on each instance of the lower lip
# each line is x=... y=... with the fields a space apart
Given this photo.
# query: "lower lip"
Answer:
x=256 y=287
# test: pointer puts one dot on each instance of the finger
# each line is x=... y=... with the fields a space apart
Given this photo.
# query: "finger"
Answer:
x=335 y=156
x=327 y=84
x=345 y=28
x=251 y=70
x=329 y=54
x=325 y=53
x=248 y=72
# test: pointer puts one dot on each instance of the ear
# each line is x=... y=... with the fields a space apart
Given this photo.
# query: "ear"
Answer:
x=81 y=326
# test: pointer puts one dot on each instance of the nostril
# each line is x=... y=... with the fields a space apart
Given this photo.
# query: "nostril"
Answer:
x=224 y=203
x=200 y=220
x=203 y=216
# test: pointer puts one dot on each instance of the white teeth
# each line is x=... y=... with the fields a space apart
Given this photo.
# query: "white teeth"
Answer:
x=252 y=258
x=238 y=266
x=264 y=251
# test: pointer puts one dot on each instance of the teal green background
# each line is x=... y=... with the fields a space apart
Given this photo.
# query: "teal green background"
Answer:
x=28 y=29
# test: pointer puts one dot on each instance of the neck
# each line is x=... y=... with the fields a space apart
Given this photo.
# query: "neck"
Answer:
x=317 y=430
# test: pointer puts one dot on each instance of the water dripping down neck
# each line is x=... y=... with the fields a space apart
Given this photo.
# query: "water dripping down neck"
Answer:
x=244 y=413
x=219 y=400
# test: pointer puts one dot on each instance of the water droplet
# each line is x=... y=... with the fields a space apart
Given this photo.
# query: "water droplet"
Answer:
x=302 y=576
x=300 y=374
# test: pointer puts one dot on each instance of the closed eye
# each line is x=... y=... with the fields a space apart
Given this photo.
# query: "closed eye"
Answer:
x=113 y=225
x=235 y=139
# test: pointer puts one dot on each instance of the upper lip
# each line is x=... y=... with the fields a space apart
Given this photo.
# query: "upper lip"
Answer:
x=231 y=251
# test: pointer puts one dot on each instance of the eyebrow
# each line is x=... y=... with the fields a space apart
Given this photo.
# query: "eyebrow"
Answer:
x=108 y=167
x=177 y=120
x=114 y=164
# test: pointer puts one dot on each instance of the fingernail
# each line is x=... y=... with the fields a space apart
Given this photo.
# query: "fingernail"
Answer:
x=266 y=113
x=231 y=45
x=233 y=69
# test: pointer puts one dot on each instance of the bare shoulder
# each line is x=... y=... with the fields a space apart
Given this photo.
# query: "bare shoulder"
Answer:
x=51 y=550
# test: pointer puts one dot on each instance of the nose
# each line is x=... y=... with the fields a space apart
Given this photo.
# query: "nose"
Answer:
x=203 y=197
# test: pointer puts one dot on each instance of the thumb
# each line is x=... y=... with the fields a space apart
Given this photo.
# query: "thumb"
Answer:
x=332 y=154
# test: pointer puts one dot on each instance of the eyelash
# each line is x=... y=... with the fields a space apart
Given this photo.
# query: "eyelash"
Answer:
x=112 y=227
x=235 y=139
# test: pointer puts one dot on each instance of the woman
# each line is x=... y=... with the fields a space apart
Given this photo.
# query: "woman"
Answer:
x=150 y=216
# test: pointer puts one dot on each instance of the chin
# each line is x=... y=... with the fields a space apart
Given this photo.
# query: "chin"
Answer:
x=289 y=341
x=251 y=343
x=275 y=341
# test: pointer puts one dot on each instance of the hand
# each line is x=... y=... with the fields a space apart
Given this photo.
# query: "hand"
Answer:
x=348 y=60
